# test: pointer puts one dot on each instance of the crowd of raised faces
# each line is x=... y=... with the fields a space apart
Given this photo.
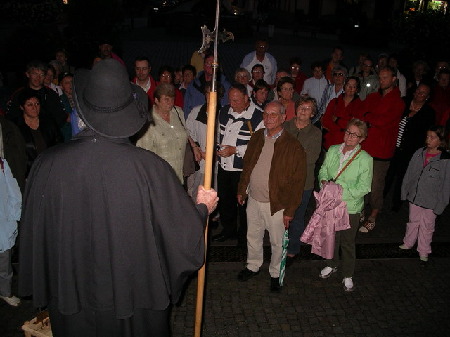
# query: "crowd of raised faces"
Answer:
x=42 y=113
x=49 y=84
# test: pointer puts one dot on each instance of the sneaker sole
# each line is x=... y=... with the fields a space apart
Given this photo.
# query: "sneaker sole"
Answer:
x=328 y=275
x=349 y=290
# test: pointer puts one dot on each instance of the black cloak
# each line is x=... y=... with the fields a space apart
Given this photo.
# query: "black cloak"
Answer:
x=107 y=226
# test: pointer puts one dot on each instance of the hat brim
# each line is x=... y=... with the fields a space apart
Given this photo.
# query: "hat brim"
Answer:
x=120 y=124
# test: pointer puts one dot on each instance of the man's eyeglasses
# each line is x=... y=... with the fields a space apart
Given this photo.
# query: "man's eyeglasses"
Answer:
x=338 y=74
x=271 y=115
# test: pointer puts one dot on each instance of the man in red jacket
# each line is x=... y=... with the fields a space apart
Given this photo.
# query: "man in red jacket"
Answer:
x=143 y=78
x=382 y=112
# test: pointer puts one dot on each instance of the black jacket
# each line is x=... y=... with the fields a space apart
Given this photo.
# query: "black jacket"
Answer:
x=14 y=151
x=416 y=129
x=50 y=133
x=51 y=106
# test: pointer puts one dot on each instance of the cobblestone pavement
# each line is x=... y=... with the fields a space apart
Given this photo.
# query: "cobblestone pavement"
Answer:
x=392 y=298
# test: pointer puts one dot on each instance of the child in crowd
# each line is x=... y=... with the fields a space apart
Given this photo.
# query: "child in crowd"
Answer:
x=426 y=186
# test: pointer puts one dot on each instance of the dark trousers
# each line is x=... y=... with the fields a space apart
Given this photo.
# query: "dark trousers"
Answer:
x=345 y=247
x=6 y=273
x=297 y=226
x=395 y=175
x=230 y=210
x=89 y=323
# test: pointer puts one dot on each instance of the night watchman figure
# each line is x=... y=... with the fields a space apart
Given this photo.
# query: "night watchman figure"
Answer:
x=109 y=236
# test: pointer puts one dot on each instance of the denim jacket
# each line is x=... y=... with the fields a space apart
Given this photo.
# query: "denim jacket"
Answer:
x=10 y=207
x=429 y=186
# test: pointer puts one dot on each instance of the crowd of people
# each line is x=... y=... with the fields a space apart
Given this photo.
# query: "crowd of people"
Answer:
x=280 y=135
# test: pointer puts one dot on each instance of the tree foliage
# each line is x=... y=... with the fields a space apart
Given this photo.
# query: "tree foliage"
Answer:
x=424 y=35
x=31 y=12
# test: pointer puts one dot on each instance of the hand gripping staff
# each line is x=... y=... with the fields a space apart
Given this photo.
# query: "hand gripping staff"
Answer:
x=209 y=37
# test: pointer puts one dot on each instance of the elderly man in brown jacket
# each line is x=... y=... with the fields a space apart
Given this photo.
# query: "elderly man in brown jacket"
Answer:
x=273 y=178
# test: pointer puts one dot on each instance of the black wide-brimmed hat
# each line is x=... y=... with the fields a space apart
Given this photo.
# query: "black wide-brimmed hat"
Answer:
x=107 y=102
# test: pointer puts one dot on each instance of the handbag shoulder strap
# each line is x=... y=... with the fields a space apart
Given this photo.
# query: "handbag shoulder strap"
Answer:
x=348 y=163
x=178 y=115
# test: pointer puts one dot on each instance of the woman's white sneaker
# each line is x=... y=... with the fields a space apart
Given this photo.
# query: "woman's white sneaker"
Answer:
x=348 y=284
x=327 y=271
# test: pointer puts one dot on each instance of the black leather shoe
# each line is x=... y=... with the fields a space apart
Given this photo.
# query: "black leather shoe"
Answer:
x=220 y=238
x=246 y=274
x=275 y=284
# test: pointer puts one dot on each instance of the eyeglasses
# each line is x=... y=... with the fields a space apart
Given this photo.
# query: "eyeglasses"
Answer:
x=37 y=74
x=287 y=89
x=304 y=108
x=271 y=115
x=338 y=74
x=295 y=67
x=367 y=65
x=257 y=71
x=166 y=76
x=352 y=134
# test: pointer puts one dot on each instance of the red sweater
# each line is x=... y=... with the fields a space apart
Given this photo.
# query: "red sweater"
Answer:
x=440 y=102
x=383 y=114
x=149 y=91
x=299 y=81
x=344 y=114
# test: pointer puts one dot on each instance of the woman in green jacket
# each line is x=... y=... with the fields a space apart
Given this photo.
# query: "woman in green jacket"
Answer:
x=355 y=179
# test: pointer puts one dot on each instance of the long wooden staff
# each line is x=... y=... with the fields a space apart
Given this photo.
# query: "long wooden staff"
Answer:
x=210 y=146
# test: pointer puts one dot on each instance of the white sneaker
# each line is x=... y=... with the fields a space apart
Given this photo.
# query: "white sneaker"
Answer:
x=348 y=284
x=12 y=300
x=327 y=271
x=404 y=247
x=363 y=229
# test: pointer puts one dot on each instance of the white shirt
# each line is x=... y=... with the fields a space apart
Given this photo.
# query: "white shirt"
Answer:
x=269 y=68
x=314 y=88
x=147 y=85
x=230 y=136
x=197 y=131
x=401 y=83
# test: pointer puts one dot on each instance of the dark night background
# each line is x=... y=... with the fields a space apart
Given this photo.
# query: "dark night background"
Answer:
x=34 y=29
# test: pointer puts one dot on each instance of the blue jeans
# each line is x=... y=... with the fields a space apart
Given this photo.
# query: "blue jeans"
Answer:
x=297 y=225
